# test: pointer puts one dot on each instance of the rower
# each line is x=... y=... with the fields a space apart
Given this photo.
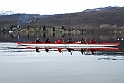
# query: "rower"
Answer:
x=37 y=40
x=60 y=41
x=48 y=40
x=83 y=40
x=93 y=41
x=69 y=40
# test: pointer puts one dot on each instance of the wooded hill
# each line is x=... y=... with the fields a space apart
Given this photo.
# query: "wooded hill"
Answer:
x=90 y=18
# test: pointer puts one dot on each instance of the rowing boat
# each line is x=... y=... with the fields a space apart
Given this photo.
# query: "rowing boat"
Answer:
x=68 y=45
x=74 y=49
x=73 y=46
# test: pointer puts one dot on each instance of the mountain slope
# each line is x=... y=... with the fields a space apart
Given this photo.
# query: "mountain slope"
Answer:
x=112 y=16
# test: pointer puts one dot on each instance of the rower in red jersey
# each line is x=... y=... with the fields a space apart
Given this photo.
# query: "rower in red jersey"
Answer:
x=60 y=41
x=93 y=41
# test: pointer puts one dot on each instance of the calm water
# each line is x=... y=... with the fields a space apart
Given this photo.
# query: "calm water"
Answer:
x=27 y=66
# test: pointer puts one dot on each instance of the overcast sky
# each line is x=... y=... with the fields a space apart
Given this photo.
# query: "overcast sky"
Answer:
x=55 y=6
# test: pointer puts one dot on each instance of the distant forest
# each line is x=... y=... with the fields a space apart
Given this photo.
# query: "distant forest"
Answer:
x=108 y=17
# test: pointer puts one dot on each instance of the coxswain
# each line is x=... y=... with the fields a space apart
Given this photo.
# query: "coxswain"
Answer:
x=37 y=40
x=93 y=41
x=48 y=40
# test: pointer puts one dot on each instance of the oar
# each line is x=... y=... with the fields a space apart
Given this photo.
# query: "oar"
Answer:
x=37 y=49
x=70 y=50
x=82 y=51
x=46 y=49
x=59 y=50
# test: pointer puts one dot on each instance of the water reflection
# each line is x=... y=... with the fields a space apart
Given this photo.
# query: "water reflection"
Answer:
x=100 y=55
x=105 y=53
x=31 y=36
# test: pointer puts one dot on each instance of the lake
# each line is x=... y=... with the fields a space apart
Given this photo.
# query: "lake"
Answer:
x=28 y=66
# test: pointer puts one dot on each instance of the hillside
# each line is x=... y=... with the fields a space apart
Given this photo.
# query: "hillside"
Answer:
x=88 y=18
x=111 y=16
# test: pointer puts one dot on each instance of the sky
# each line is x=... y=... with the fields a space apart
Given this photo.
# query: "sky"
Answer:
x=48 y=7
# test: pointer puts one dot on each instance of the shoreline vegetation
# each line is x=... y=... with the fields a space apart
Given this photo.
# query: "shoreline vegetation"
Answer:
x=102 y=29
x=99 y=20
